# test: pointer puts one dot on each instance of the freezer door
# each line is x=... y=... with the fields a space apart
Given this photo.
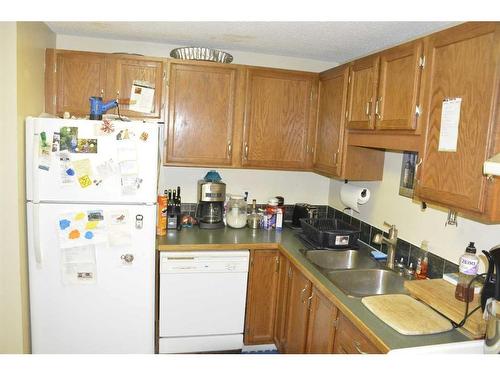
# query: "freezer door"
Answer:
x=85 y=162
x=109 y=306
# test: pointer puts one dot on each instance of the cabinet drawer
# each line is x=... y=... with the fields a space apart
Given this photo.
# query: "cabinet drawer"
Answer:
x=350 y=340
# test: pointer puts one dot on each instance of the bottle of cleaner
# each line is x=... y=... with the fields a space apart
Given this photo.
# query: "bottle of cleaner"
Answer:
x=468 y=265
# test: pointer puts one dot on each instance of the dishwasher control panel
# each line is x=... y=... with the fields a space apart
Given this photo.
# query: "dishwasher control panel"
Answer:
x=204 y=261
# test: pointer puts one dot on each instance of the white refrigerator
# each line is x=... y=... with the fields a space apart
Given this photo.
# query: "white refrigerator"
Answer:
x=91 y=209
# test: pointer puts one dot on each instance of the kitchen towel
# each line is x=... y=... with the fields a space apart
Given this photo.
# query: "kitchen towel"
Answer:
x=352 y=196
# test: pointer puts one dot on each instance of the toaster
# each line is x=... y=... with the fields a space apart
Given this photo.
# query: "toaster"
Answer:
x=303 y=211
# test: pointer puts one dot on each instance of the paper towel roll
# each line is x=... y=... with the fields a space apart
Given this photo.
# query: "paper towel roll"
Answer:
x=352 y=195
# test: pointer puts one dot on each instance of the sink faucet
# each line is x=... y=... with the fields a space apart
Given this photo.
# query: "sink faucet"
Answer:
x=391 y=243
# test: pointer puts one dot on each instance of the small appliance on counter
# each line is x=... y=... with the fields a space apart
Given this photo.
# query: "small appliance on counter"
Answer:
x=211 y=197
x=490 y=302
x=303 y=211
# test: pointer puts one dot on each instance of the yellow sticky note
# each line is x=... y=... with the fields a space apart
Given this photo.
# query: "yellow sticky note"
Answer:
x=91 y=224
x=80 y=216
x=85 y=181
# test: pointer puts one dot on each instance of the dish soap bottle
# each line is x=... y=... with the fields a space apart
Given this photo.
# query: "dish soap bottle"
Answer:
x=423 y=264
x=468 y=265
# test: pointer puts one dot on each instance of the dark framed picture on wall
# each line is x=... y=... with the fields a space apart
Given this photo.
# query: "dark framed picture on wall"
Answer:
x=407 y=179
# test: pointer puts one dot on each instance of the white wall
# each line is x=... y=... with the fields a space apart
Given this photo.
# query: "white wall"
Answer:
x=415 y=225
x=261 y=185
x=293 y=186
x=163 y=50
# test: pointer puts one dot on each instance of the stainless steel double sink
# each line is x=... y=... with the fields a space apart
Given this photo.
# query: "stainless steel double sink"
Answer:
x=355 y=272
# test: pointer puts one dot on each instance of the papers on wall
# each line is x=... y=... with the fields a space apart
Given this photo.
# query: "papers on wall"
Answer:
x=78 y=265
x=450 y=119
x=119 y=228
x=81 y=229
x=142 y=97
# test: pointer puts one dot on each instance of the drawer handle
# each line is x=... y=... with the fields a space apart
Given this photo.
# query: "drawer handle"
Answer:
x=357 y=346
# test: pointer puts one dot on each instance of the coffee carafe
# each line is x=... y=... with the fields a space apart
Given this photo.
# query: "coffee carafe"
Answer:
x=490 y=302
x=211 y=197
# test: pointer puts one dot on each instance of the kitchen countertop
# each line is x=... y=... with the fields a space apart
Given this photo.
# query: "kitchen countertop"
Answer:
x=383 y=336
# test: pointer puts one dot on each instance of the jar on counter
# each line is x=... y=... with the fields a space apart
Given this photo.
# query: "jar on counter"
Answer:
x=236 y=215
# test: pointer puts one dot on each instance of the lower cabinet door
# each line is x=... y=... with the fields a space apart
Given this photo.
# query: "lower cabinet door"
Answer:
x=282 y=302
x=297 y=312
x=350 y=340
x=261 y=297
x=322 y=323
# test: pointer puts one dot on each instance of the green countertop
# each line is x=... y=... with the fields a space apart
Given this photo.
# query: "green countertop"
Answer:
x=203 y=239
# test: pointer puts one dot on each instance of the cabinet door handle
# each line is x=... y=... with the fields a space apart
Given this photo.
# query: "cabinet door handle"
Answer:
x=102 y=93
x=277 y=263
x=335 y=156
x=309 y=301
x=358 y=349
x=377 y=103
x=246 y=150
x=229 y=148
x=417 y=177
x=368 y=108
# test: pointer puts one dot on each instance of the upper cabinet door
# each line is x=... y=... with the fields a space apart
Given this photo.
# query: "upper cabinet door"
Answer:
x=330 y=127
x=278 y=119
x=201 y=114
x=463 y=64
x=362 y=92
x=398 y=87
x=78 y=77
x=141 y=72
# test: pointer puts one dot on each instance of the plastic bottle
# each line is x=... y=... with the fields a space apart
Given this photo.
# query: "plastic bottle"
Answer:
x=468 y=265
x=423 y=264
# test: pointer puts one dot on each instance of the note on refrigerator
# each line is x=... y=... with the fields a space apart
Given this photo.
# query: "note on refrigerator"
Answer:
x=78 y=265
x=119 y=230
x=450 y=120
x=81 y=228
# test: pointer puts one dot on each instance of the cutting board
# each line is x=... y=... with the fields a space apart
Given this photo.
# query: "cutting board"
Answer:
x=406 y=315
x=440 y=295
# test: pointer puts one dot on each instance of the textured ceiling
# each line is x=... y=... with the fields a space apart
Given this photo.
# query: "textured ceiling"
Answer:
x=325 y=41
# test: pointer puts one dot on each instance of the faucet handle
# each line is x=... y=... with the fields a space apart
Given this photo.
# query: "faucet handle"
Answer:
x=393 y=232
x=389 y=225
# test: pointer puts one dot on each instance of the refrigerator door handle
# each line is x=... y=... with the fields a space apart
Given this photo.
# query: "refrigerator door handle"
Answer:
x=36 y=235
x=34 y=161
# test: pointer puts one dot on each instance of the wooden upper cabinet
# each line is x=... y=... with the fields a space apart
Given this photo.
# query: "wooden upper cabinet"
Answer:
x=201 y=120
x=398 y=87
x=464 y=63
x=279 y=120
x=363 y=76
x=332 y=98
x=262 y=297
x=124 y=72
x=299 y=291
x=78 y=76
x=322 y=324
x=350 y=340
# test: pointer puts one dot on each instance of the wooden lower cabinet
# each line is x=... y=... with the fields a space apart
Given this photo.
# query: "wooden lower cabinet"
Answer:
x=322 y=324
x=350 y=340
x=261 y=297
x=297 y=312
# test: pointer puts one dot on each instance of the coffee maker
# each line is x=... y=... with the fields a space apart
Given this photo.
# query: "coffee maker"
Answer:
x=211 y=197
x=490 y=301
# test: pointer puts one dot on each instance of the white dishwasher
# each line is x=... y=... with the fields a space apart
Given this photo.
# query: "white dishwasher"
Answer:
x=202 y=300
